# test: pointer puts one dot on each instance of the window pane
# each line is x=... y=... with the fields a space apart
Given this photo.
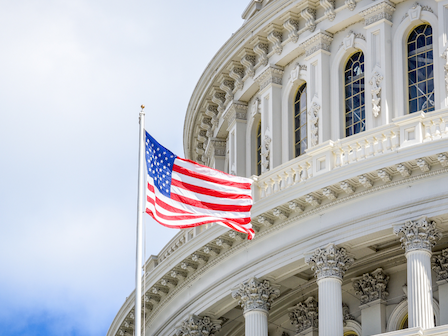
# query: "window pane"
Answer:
x=303 y=132
x=303 y=118
x=412 y=63
x=412 y=91
x=413 y=106
x=354 y=94
x=412 y=77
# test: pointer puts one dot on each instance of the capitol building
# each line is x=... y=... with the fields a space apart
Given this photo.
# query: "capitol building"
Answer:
x=338 y=110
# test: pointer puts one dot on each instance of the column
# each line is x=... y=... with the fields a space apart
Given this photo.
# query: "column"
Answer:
x=371 y=290
x=378 y=63
x=270 y=82
x=255 y=296
x=236 y=121
x=417 y=237
x=329 y=265
x=198 y=326
x=440 y=267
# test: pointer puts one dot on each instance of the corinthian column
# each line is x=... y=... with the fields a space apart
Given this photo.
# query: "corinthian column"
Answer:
x=255 y=297
x=417 y=238
x=329 y=265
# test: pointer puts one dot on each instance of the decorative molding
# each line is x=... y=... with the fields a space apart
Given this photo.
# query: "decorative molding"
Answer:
x=403 y=170
x=314 y=201
x=265 y=221
x=237 y=74
x=198 y=326
x=216 y=147
x=256 y=294
x=346 y=316
x=319 y=41
x=445 y=66
x=227 y=85
x=304 y=315
x=382 y=10
x=248 y=60
x=330 y=194
x=414 y=13
x=440 y=264
x=419 y=234
x=261 y=48
x=295 y=207
x=329 y=6
x=375 y=82
x=272 y=75
x=330 y=261
x=349 y=41
x=384 y=175
x=275 y=36
x=279 y=213
x=313 y=117
x=443 y=160
x=366 y=182
x=351 y=4
x=371 y=286
x=236 y=111
x=423 y=165
x=219 y=98
x=292 y=26
x=309 y=15
x=347 y=187
x=294 y=75
x=266 y=153
x=256 y=106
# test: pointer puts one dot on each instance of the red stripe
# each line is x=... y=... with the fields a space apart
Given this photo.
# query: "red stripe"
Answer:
x=210 y=206
x=172 y=209
x=206 y=191
x=188 y=172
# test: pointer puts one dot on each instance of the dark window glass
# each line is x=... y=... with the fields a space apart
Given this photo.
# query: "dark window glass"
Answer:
x=300 y=122
x=354 y=95
x=420 y=69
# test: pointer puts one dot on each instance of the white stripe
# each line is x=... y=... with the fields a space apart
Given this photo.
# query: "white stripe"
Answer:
x=211 y=172
x=211 y=199
x=210 y=185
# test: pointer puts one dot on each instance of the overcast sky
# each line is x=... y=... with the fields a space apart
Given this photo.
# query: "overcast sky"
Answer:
x=72 y=77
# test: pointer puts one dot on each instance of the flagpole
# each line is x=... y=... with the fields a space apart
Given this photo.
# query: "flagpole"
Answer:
x=138 y=262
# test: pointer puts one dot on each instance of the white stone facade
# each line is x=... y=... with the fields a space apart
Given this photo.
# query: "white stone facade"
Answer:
x=351 y=235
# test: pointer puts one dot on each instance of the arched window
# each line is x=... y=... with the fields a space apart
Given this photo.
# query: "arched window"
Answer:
x=259 y=149
x=300 y=134
x=355 y=111
x=404 y=323
x=350 y=333
x=420 y=69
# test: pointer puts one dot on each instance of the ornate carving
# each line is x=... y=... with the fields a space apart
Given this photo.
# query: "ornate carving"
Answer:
x=237 y=110
x=445 y=66
x=443 y=160
x=423 y=165
x=177 y=274
x=319 y=41
x=371 y=286
x=237 y=74
x=313 y=117
x=330 y=261
x=349 y=41
x=256 y=106
x=346 y=316
x=328 y=5
x=403 y=170
x=295 y=72
x=261 y=48
x=275 y=36
x=248 y=61
x=304 y=315
x=227 y=85
x=347 y=187
x=256 y=294
x=292 y=26
x=351 y=4
x=314 y=201
x=265 y=153
x=330 y=194
x=265 y=221
x=375 y=82
x=384 y=175
x=366 y=182
x=219 y=98
x=380 y=11
x=272 y=75
x=440 y=264
x=279 y=213
x=309 y=15
x=296 y=207
x=420 y=234
x=198 y=326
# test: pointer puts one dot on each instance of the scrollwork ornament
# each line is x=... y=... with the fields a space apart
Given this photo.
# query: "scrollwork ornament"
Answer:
x=371 y=286
x=313 y=115
x=420 y=234
x=256 y=294
x=331 y=261
x=440 y=265
x=304 y=315
x=375 y=82
x=198 y=326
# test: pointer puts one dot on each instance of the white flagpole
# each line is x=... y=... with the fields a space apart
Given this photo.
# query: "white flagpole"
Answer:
x=141 y=197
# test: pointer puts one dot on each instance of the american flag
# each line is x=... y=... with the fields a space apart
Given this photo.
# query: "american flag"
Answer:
x=182 y=194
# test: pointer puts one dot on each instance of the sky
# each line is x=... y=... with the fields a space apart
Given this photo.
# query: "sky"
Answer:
x=73 y=75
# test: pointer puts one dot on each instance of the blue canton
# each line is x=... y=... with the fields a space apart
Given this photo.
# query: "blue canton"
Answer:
x=159 y=162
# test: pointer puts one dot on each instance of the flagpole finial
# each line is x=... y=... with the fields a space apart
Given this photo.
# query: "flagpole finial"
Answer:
x=143 y=107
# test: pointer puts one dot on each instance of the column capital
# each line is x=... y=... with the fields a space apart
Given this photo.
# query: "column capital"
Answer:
x=439 y=265
x=329 y=262
x=379 y=11
x=235 y=111
x=304 y=315
x=216 y=147
x=321 y=41
x=256 y=294
x=272 y=75
x=371 y=286
x=419 y=234
x=198 y=326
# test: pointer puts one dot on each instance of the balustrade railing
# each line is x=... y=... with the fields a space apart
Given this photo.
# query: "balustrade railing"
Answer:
x=403 y=132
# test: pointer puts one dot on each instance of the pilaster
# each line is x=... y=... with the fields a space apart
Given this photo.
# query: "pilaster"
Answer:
x=255 y=296
x=378 y=62
x=317 y=52
x=236 y=115
x=371 y=290
x=270 y=82
x=440 y=267
x=216 y=152
x=418 y=237
x=329 y=265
